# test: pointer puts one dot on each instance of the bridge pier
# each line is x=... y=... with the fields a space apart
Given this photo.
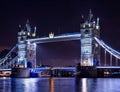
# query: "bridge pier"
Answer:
x=90 y=49
x=109 y=72
x=20 y=72
x=97 y=72
x=86 y=72
x=80 y=72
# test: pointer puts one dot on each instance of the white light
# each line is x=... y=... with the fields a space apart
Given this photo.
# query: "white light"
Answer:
x=83 y=25
x=94 y=22
x=89 y=24
x=30 y=82
x=96 y=45
x=28 y=42
x=84 y=62
x=84 y=85
x=97 y=27
x=33 y=34
x=35 y=44
x=51 y=35
x=28 y=33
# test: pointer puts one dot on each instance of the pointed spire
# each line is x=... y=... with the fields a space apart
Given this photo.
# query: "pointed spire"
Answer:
x=28 y=26
x=82 y=18
x=90 y=11
x=19 y=27
x=90 y=15
x=35 y=31
x=97 y=22
x=27 y=22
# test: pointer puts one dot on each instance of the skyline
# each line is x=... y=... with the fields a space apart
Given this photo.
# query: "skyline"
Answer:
x=58 y=17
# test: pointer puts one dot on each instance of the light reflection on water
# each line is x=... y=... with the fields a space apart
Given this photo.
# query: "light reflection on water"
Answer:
x=84 y=85
x=59 y=84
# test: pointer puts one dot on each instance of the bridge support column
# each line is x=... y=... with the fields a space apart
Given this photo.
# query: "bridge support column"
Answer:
x=20 y=72
x=86 y=72
x=116 y=62
x=110 y=59
x=22 y=61
x=105 y=59
x=31 y=55
x=90 y=50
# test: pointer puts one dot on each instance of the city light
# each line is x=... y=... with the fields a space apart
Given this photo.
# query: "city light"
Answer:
x=97 y=27
x=28 y=42
x=35 y=44
x=51 y=35
x=84 y=85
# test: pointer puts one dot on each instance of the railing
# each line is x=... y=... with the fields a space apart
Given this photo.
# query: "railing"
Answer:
x=9 y=64
x=107 y=48
x=7 y=56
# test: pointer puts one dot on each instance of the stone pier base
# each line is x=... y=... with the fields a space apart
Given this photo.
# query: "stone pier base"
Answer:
x=20 y=72
x=86 y=71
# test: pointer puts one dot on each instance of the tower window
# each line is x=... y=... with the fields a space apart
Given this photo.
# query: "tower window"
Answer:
x=21 y=39
x=86 y=31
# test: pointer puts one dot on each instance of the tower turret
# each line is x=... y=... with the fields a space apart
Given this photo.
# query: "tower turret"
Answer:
x=26 y=50
x=89 y=29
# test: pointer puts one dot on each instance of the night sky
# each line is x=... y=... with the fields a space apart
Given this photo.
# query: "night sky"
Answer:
x=58 y=16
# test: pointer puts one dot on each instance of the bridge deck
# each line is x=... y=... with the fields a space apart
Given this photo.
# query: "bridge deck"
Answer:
x=5 y=69
x=65 y=68
x=108 y=67
x=56 y=38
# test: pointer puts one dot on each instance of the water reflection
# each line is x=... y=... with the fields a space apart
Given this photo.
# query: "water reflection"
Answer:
x=5 y=84
x=59 y=85
x=30 y=85
x=23 y=85
x=81 y=85
x=84 y=85
x=62 y=84
x=51 y=84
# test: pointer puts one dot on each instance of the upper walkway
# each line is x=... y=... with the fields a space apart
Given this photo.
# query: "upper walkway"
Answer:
x=63 y=37
x=108 y=67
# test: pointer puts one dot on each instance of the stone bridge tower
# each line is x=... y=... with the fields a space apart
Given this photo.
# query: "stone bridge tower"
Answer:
x=90 y=50
x=26 y=50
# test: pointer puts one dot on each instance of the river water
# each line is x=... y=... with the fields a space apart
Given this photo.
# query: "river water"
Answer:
x=59 y=84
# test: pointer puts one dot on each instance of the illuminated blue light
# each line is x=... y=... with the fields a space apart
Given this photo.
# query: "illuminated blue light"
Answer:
x=38 y=70
x=108 y=49
x=55 y=37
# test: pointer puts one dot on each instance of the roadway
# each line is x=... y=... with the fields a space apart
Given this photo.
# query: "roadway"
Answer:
x=59 y=38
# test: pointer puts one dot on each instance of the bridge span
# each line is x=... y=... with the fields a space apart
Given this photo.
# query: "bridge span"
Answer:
x=63 y=37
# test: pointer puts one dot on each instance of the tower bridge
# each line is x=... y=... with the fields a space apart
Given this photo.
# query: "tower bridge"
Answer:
x=91 y=46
